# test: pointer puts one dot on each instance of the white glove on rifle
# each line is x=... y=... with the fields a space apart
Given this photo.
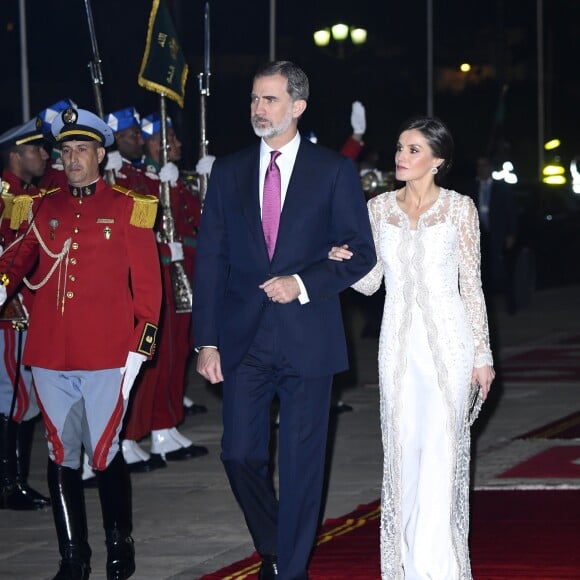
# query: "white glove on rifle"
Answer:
x=358 y=118
x=205 y=164
x=169 y=172
x=130 y=371
x=114 y=161
x=176 y=251
x=3 y=294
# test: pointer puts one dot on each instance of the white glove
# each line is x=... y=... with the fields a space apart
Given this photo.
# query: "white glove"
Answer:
x=358 y=118
x=176 y=251
x=131 y=370
x=205 y=164
x=169 y=173
x=114 y=161
x=3 y=294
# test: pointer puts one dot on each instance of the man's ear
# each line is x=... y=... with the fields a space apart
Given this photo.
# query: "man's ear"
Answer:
x=14 y=157
x=101 y=154
x=298 y=108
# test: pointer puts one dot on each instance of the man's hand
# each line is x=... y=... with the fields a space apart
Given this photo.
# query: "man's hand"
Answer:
x=209 y=365
x=170 y=173
x=131 y=370
x=114 y=161
x=281 y=289
x=205 y=164
x=358 y=119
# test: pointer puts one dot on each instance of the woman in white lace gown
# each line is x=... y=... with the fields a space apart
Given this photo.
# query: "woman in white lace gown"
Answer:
x=434 y=344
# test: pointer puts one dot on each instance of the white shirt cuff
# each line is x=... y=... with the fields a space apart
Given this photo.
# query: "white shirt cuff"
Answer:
x=303 y=297
x=198 y=348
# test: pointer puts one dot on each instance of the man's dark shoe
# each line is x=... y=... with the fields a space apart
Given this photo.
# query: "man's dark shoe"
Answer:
x=73 y=569
x=120 y=556
x=194 y=409
x=269 y=568
x=342 y=407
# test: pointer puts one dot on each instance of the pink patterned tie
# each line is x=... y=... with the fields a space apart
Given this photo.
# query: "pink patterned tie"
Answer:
x=271 y=203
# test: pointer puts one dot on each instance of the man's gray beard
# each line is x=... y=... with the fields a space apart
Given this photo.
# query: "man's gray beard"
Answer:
x=269 y=132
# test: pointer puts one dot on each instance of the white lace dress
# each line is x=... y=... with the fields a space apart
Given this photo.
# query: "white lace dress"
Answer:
x=434 y=331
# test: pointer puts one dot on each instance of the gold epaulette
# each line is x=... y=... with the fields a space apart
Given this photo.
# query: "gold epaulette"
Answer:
x=21 y=205
x=8 y=200
x=144 y=207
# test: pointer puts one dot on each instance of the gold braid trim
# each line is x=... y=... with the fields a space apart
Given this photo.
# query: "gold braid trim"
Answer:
x=8 y=200
x=21 y=205
x=20 y=208
x=144 y=208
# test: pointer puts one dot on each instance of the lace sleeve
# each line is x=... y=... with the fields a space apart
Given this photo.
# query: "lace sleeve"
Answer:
x=470 y=281
x=370 y=283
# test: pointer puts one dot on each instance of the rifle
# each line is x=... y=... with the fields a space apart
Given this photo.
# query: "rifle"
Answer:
x=203 y=94
x=97 y=77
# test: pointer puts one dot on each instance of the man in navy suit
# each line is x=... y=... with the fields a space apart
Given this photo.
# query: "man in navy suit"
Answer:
x=271 y=326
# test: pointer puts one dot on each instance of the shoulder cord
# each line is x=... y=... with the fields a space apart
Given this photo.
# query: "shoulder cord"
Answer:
x=57 y=263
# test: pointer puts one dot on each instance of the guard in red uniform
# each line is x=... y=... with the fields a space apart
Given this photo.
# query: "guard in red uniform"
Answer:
x=24 y=160
x=93 y=323
x=158 y=403
x=125 y=161
x=126 y=125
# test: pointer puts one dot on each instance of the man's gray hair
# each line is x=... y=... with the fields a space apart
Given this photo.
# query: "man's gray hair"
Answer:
x=298 y=86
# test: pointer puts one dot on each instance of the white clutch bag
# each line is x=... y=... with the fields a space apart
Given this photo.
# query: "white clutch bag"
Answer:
x=474 y=402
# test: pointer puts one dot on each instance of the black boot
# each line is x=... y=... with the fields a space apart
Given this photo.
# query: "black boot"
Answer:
x=24 y=438
x=15 y=448
x=115 y=495
x=70 y=519
x=7 y=458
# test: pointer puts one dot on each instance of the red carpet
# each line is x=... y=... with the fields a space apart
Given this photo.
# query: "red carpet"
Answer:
x=532 y=535
x=555 y=362
x=556 y=462
x=567 y=427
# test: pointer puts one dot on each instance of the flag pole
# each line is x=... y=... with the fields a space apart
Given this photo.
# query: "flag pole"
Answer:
x=24 y=83
x=164 y=71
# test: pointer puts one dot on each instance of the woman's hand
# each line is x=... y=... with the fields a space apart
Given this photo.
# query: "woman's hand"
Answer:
x=340 y=253
x=484 y=376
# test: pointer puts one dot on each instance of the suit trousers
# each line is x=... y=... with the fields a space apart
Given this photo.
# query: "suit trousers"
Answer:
x=284 y=525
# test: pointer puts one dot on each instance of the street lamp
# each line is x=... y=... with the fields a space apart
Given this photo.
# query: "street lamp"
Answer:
x=339 y=33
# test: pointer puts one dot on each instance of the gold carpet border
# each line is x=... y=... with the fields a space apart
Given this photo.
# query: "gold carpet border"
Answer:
x=347 y=526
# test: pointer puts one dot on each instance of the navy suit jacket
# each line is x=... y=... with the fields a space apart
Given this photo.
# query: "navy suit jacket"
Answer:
x=324 y=206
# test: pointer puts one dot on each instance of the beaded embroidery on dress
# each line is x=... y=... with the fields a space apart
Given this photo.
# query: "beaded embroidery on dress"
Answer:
x=432 y=278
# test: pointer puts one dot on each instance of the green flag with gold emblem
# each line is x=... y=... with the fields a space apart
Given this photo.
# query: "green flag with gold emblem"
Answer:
x=163 y=69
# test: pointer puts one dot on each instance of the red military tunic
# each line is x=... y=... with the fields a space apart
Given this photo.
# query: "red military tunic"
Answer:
x=351 y=148
x=85 y=316
x=158 y=402
x=136 y=179
x=25 y=407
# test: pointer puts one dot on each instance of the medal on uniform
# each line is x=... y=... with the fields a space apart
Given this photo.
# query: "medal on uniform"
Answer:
x=107 y=232
x=53 y=224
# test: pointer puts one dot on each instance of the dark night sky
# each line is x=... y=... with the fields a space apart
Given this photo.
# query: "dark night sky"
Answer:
x=388 y=74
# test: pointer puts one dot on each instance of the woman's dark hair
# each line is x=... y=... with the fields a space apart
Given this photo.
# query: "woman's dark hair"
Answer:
x=439 y=138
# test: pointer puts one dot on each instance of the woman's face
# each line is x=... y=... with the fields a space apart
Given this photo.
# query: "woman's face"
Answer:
x=413 y=157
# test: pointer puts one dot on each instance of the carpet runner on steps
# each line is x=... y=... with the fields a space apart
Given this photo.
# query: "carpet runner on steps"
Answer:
x=532 y=535
x=525 y=525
